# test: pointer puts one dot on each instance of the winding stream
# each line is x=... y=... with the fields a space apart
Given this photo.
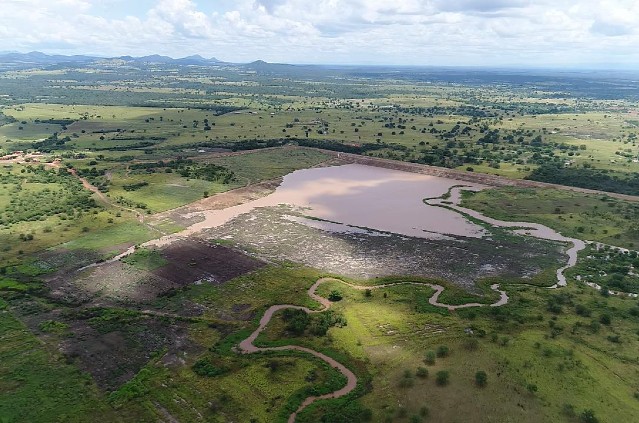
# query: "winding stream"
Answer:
x=522 y=228
x=247 y=346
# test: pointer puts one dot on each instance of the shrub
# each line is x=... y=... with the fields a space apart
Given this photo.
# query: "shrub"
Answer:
x=481 y=378
x=605 y=319
x=442 y=351
x=442 y=377
x=205 y=368
x=430 y=358
x=407 y=380
x=335 y=296
x=588 y=416
x=296 y=320
x=422 y=372
x=424 y=411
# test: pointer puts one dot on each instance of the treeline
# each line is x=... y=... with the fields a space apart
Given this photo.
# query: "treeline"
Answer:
x=51 y=143
x=583 y=177
x=347 y=148
x=4 y=119
x=187 y=169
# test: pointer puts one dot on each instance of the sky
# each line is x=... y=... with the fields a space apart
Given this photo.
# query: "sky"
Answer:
x=524 y=33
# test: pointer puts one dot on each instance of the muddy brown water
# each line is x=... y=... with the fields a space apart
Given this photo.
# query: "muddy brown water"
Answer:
x=357 y=195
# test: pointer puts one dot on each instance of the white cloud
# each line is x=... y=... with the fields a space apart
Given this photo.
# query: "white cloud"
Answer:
x=473 y=32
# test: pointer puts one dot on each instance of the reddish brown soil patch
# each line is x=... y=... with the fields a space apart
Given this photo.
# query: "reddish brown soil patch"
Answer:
x=192 y=260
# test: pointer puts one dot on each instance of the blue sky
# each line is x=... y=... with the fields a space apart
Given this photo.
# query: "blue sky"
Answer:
x=546 y=33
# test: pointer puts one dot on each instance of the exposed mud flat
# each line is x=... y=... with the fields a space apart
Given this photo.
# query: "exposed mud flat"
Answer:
x=281 y=234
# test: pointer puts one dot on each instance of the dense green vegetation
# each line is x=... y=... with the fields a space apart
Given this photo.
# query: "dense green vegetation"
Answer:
x=602 y=180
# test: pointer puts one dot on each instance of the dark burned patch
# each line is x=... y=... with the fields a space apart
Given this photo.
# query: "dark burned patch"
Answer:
x=118 y=283
x=195 y=260
x=113 y=355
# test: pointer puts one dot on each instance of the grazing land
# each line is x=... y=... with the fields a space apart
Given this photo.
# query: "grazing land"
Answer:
x=119 y=296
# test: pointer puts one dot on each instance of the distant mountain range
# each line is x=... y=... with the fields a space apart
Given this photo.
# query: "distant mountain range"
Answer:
x=35 y=59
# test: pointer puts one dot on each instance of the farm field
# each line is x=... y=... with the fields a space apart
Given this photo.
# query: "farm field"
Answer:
x=148 y=226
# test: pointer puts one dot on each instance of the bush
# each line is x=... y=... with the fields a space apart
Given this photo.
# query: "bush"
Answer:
x=430 y=358
x=335 y=296
x=422 y=372
x=442 y=377
x=203 y=367
x=588 y=416
x=424 y=411
x=481 y=378
x=605 y=319
x=296 y=320
x=442 y=351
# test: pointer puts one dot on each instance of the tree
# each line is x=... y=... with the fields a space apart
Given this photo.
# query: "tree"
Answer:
x=481 y=378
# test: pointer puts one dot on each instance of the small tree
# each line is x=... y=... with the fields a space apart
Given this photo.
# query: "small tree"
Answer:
x=481 y=378
x=430 y=358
